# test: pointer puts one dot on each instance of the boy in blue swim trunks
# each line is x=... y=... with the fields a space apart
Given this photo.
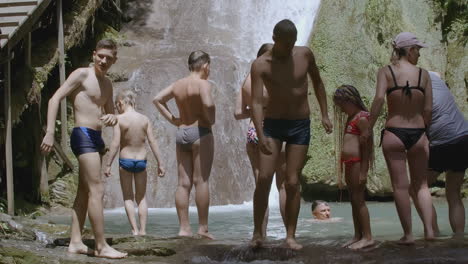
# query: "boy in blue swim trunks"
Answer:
x=90 y=92
x=130 y=134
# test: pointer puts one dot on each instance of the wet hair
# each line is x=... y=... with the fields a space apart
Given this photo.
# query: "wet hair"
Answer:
x=317 y=203
x=197 y=59
x=285 y=29
x=127 y=96
x=264 y=48
x=346 y=93
x=106 y=44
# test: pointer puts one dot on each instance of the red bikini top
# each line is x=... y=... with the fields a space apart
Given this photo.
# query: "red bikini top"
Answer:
x=352 y=127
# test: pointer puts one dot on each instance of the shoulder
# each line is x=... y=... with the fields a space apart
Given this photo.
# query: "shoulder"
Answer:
x=80 y=74
x=204 y=84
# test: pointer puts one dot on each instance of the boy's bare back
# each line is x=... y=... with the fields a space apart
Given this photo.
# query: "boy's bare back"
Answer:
x=133 y=134
x=187 y=93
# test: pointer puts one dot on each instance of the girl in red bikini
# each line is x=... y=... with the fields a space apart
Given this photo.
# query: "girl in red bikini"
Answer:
x=355 y=152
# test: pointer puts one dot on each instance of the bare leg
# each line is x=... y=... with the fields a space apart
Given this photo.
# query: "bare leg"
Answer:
x=417 y=159
x=395 y=157
x=126 y=183
x=90 y=163
x=432 y=176
x=252 y=153
x=280 y=178
x=79 y=210
x=359 y=207
x=184 y=186
x=262 y=190
x=203 y=151
x=140 y=197
x=295 y=160
x=454 y=180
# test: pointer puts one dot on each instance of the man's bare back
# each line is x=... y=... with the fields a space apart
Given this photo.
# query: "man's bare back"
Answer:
x=188 y=94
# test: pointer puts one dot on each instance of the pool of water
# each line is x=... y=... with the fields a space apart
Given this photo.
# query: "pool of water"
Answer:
x=235 y=222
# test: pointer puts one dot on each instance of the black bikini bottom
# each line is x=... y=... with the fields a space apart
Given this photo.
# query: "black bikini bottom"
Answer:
x=408 y=136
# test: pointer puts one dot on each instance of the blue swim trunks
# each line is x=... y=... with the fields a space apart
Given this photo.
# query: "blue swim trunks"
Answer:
x=85 y=140
x=132 y=165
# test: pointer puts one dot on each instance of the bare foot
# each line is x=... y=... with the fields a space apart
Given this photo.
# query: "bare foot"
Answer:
x=135 y=232
x=406 y=240
x=108 y=252
x=142 y=233
x=292 y=244
x=257 y=241
x=429 y=235
x=206 y=235
x=350 y=242
x=79 y=248
x=363 y=243
x=458 y=236
x=183 y=233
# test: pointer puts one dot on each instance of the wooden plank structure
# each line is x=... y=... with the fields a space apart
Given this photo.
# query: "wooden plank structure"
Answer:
x=17 y=18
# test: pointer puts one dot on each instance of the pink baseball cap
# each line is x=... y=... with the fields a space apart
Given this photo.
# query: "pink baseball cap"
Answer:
x=406 y=39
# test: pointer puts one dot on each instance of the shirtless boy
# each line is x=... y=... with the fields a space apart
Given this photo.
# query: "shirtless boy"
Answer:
x=130 y=134
x=194 y=140
x=283 y=71
x=91 y=94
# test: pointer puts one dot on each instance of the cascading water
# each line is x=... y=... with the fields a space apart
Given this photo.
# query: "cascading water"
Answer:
x=162 y=34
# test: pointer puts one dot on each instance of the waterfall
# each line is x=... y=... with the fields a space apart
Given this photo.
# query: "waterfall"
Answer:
x=160 y=37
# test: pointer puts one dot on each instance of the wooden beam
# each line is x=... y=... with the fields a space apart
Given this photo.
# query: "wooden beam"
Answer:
x=9 y=24
x=17 y=3
x=12 y=14
x=4 y=36
x=61 y=63
x=8 y=138
x=28 y=23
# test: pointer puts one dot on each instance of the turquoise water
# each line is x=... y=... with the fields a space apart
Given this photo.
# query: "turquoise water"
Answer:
x=235 y=222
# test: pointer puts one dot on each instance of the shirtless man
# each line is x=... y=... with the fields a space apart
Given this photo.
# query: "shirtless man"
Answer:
x=243 y=111
x=283 y=71
x=130 y=135
x=91 y=93
x=194 y=140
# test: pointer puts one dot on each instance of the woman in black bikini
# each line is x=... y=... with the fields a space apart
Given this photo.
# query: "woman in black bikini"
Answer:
x=409 y=101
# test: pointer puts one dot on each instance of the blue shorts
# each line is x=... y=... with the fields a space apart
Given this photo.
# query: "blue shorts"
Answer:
x=132 y=165
x=296 y=132
x=85 y=140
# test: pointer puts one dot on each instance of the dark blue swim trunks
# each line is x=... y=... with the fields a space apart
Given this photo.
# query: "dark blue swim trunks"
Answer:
x=85 y=140
x=295 y=132
x=132 y=165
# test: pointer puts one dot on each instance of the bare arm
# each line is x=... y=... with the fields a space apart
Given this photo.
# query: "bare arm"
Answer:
x=109 y=119
x=364 y=145
x=427 y=114
x=154 y=147
x=73 y=81
x=242 y=111
x=379 y=98
x=257 y=104
x=209 y=109
x=160 y=101
x=114 y=148
x=319 y=90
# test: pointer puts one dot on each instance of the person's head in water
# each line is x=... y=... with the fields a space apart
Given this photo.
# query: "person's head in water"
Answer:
x=284 y=36
x=406 y=46
x=321 y=210
x=199 y=61
x=124 y=99
x=104 y=55
x=264 y=48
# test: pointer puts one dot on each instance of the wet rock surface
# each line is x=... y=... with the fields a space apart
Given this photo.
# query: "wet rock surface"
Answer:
x=151 y=249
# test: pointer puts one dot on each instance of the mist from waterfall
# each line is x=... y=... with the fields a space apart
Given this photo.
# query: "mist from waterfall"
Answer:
x=162 y=34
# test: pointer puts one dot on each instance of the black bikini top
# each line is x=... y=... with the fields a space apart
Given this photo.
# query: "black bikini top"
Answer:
x=406 y=89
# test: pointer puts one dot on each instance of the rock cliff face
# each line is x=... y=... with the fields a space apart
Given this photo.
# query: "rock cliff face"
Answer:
x=351 y=40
